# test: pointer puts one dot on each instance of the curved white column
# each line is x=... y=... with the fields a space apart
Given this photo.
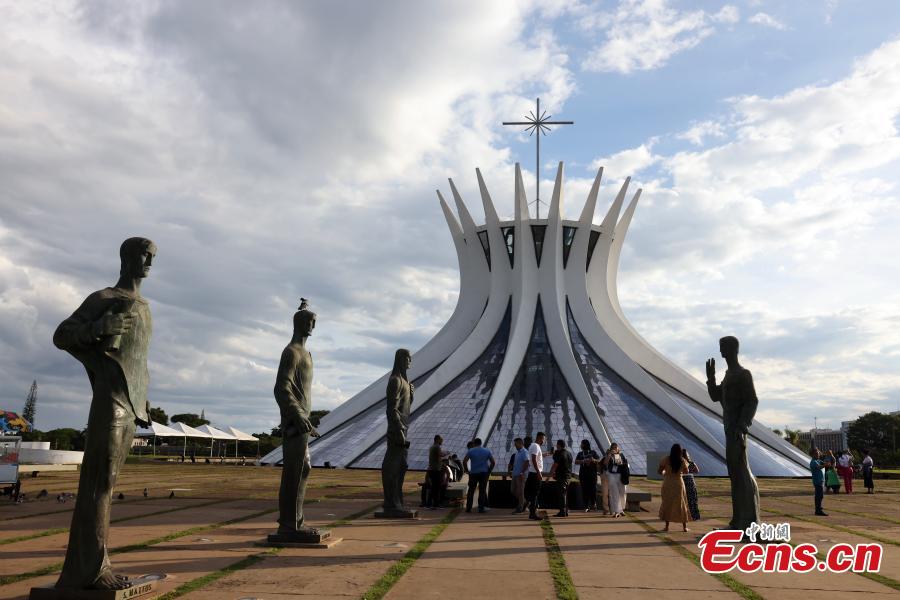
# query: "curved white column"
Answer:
x=653 y=361
x=524 y=304
x=553 y=303
x=591 y=313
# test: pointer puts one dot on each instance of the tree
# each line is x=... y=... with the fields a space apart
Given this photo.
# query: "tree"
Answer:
x=30 y=408
x=190 y=419
x=159 y=415
x=793 y=437
x=874 y=431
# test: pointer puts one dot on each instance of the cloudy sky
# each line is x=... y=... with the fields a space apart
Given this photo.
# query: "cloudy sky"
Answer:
x=283 y=149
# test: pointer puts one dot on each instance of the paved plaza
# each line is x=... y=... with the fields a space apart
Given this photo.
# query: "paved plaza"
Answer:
x=204 y=539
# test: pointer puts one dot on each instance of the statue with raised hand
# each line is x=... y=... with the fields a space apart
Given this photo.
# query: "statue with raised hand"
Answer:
x=399 y=398
x=110 y=335
x=738 y=398
x=293 y=393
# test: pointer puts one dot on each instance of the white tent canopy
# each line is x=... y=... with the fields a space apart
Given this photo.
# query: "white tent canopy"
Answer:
x=188 y=431
x=216 y=434
x=157 y=429
x=240 y=435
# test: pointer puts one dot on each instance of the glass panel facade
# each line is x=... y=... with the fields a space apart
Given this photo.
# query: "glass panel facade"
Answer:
x=486 y=246
x=538 y=400
x=764 y=461
x=592 y=243
x=537 y=234
x=568 y=238
x=509 y=236
x=454 y=412
x=341 y=445
x=632 y=420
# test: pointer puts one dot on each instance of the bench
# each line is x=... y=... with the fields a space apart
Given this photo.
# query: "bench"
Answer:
x=633 y=499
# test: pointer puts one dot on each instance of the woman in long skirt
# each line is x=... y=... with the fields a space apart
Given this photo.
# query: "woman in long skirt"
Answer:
x=614 y=462
x=868 y=465
x=690 y=486
x=674 y=506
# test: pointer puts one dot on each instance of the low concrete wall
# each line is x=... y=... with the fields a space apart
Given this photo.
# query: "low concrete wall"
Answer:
x=41 y=456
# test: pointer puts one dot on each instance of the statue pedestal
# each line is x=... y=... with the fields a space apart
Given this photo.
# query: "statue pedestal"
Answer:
x=320 y=539
x=396 y=513
x=141 y=587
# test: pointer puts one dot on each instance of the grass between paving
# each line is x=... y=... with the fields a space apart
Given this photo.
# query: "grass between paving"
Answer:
x=399 y=568
x=200 y=582
x=47 y=532
x=743 y=590
x=864 y=534
x=847 y=512
x=562 y=579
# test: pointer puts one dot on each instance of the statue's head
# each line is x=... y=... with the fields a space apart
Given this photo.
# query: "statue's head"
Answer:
x=304 y=320
x=729 y=346
x=402 y=361
x=136 y=255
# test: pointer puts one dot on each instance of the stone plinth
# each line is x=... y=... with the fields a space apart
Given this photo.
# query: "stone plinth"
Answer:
x=395 y=513
x=320 y=538
x=141 y=587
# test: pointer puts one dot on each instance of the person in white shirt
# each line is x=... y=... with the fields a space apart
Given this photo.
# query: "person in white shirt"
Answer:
x=615 y=461
x=535 y=477
x=845 y=470
x=868 y=465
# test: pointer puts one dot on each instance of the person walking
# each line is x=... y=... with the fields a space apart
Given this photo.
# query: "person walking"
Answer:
x=535 y=478
x=690 y=486
x=845 y=470
x=588 y=460
x=616 y=465
x=674 y=504
x=561 y=472
x=818 y=480
x=519 y=473
x=478 y=462
x=831 y=477
x=868 y=466
x=435 y=473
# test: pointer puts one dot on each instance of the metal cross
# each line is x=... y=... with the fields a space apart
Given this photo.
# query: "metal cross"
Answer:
x=538 y=122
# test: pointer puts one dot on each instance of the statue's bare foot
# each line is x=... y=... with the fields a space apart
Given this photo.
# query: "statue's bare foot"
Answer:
x=111 y=581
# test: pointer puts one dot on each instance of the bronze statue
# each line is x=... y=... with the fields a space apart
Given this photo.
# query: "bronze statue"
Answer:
x=110 y=335
x=293 y=393
x=394 y=465
x=739 y=402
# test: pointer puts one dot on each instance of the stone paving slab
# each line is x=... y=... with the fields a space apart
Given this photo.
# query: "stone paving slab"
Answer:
x=26 y=525
x=777 y=586
x=617 y=558
x=493 y=555
x=369 y=548
x=191 y=557
x=35 y=553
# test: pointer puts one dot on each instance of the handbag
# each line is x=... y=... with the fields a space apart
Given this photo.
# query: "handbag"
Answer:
x=624 y=471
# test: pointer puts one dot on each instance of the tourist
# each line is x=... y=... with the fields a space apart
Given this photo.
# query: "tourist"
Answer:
x=478 y=463
x=587 y=461
x=818 y=479
x=604 y=486
x=845 y=470
x=535 y=477
x=690 y=486
x=868 y=465
x=518 y=475
x=674 y=504
x=561 y=472
x=616 y=466
x=435 y=473
x=831 y=477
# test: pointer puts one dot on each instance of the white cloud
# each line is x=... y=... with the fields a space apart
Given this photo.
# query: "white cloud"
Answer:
x=271 y=152
x=644 y=34
x=767 y=20
x=699 y=132
x=628 y=162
